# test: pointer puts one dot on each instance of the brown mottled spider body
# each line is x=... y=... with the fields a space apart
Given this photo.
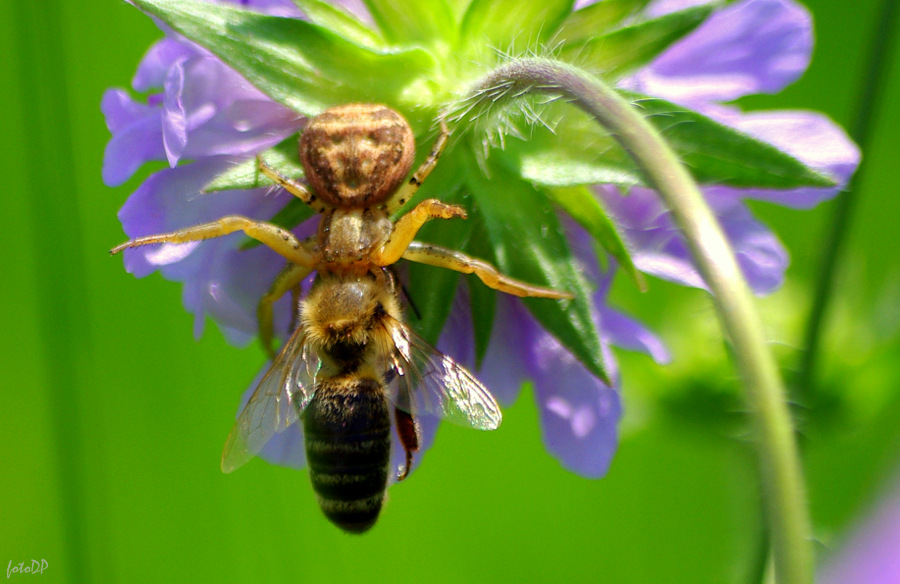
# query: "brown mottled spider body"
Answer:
x=356 y=155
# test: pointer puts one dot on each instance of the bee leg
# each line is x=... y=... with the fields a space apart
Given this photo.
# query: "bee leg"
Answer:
x=441 y=257
x=279 y=240
x=289 y=279
x=295 y=188
x=406 y=227
x=409 y=438
x=406 y=192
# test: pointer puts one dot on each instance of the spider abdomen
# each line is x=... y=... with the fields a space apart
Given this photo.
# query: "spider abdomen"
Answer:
x=356 y=155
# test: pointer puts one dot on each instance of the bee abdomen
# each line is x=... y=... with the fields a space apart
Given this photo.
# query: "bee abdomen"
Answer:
x=348 y=447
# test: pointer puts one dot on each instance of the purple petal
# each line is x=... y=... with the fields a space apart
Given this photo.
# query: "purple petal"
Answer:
x=174 y=119
x=137 y=136
x=808 y=136
x=154 y=67
x=284 y=8
x=211 y=110
x=221 y=280
x=658 y=248
x=505 y=365
x=627 y=333
x=616 y=328
x=756 y=46
x=871 y=556
x=579 y=413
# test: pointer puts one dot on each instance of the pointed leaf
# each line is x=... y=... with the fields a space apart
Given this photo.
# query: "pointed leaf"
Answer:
x=334 y=17
x=718 y=154
x=295 y=62
x=585 y=208
x=599 y=17
x=529 y=244
x=482 y=300
x=623 y=50
x=421 y=22
x=579 y=152
x=245 y=175
x=511 y=26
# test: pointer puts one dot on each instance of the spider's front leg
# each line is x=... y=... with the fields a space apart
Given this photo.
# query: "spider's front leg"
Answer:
x=407 y=226
x=279 y=240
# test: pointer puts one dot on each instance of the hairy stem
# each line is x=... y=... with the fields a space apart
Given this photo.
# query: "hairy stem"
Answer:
x=782 y=481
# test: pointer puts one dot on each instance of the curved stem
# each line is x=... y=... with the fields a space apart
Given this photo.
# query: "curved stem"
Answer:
x=782 y=481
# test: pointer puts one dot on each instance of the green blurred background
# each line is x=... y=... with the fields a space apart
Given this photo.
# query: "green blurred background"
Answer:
x=113 y=417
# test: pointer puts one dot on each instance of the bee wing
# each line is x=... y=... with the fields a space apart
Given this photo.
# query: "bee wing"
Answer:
x=278 y=400
x=424 y=380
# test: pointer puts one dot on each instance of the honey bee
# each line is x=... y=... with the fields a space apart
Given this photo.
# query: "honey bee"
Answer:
x=351 y=358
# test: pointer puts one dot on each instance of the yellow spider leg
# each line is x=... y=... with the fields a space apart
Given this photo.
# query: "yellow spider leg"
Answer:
x=279 y=240
x=406 y=227
x=406 y=192
x=297 y=189
x=441 y=257
x=289 y=279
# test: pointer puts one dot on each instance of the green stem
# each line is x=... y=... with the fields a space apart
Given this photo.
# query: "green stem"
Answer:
x=877 y=70
x=782 y=481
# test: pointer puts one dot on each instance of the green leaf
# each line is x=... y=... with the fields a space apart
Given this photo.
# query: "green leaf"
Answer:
x=482 y=300
x=421 y=22
x=530 y=245
x=599 y=17
x=432 y=289
x=718 y=154
x=578 y=151
x=623 y=50
x=569 y=149
x=295 y=62
x=585 y=208
x=245 y=175
x=334 y=17
x=511 y=26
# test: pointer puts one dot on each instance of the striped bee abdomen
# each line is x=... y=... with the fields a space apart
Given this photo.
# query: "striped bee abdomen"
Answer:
x=348 y=448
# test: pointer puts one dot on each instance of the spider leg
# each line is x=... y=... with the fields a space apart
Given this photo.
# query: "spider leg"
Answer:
x=297 y=189
x=406 y=227
x=279 y=240
x=406 y=192
x=289 y=279
x=441 y=257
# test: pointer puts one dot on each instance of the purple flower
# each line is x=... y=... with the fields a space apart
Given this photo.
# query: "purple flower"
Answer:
x=202 y=111
x=758 y=46
x=871 y=555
